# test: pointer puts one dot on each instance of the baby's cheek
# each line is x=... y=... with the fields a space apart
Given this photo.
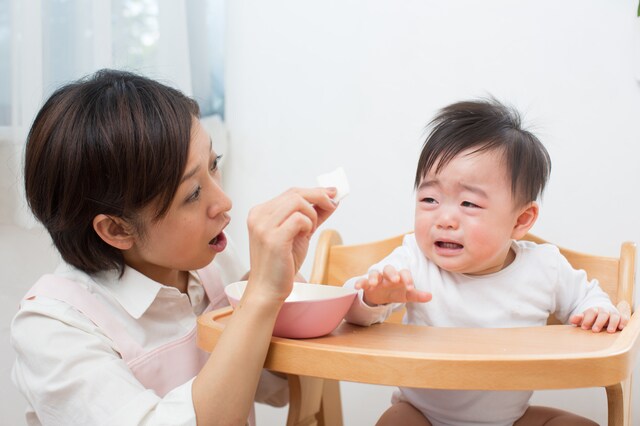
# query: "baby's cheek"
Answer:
x=423 y=243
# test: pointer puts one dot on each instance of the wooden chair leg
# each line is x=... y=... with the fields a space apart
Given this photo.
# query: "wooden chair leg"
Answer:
x=628 y=401
x=331 y=407
x=305 y=396
x=619 y=403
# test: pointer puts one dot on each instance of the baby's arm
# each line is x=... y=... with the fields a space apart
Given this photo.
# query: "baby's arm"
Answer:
x=380 y=296
x=390 y=286
x=582 y=302
x=379 y=287
x=598 y=319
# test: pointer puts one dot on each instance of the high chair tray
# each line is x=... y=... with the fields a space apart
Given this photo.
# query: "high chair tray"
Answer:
x=548 y=357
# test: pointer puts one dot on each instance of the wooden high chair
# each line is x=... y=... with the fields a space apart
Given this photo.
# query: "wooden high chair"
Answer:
x=317 y=401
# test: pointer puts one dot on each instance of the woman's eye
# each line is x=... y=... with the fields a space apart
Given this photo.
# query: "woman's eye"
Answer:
x=195 y=194
x=468 y=204
x=215 y=163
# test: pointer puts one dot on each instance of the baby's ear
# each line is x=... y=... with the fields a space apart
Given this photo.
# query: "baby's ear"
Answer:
x=113 y=231
x=526 y=219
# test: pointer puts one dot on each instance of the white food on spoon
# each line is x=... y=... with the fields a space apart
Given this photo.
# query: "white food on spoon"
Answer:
x=337 y=179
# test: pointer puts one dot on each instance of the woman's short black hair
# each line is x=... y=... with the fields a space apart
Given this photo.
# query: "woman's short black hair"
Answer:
x=111 y=143
x=487 y=125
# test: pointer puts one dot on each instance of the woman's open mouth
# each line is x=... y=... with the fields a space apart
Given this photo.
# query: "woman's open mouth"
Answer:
x=219 y=242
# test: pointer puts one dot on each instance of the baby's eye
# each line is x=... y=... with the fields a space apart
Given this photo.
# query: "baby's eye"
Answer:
x=468 y=204
x=215 y=163
x=429 y=200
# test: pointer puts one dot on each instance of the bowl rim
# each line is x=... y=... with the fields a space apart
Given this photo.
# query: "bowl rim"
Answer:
x=342 y=291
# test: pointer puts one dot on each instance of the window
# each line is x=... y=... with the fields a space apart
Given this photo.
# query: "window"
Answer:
x=5 y=62
x=47 y=43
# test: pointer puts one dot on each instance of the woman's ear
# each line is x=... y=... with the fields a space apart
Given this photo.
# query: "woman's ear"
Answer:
x=525 y=220
x=113 y=231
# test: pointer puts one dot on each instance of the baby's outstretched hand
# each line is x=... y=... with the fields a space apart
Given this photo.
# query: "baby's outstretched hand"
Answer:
x=390 y=286
x=598 y=319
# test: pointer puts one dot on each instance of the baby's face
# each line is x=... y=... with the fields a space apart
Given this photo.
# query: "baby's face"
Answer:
x=465 y=215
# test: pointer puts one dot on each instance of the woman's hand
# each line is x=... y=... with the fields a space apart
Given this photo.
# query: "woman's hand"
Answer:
x=279 y=235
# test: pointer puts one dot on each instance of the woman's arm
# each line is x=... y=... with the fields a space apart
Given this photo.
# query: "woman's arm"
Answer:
x=279 y=234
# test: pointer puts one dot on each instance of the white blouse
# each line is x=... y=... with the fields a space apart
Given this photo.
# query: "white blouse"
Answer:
x=69 y=370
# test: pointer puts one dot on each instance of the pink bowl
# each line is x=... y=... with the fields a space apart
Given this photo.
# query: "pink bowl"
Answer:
x=311 y=310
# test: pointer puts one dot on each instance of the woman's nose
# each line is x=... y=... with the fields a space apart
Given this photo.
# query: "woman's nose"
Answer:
x=219 y=201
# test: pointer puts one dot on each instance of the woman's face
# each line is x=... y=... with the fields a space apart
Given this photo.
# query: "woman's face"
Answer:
x=190 y=234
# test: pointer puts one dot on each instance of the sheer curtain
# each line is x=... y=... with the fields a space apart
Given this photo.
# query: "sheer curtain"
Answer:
x=46 y=43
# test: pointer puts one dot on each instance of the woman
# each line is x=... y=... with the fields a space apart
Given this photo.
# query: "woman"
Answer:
x=126 y=181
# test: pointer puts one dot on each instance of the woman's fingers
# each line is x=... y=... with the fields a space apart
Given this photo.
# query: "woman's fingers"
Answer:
x=323 y=203
x=298 y=224
x=279 y=235
x=315 y=203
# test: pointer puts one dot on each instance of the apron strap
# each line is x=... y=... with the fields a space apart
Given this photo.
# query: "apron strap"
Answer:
x=78 y=296
x=213 y=286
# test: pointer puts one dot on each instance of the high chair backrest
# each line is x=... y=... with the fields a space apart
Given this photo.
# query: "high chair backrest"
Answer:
x=614 y=274
x=336 y=263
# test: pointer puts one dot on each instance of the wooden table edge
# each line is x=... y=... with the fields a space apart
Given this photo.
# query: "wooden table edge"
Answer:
x=443 y=371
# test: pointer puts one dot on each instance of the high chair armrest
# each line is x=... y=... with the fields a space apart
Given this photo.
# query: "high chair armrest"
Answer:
x=452 y=358
x=627 y=342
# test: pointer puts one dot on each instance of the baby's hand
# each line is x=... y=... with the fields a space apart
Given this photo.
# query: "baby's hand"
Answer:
x=597 y=319
x=390 y=286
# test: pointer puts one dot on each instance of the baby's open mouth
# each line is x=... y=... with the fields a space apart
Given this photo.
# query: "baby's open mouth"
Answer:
x=448 y=245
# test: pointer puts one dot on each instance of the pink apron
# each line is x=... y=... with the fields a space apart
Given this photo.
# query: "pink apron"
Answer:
x=161 y=369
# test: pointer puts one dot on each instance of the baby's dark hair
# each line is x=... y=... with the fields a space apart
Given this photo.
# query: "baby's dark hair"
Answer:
x=111 y=143
x=487 y=125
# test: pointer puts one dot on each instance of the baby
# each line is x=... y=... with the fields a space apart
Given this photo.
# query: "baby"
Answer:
x=478 y=178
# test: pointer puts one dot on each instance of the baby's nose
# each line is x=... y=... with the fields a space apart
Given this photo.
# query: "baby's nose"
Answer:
x=447 y=220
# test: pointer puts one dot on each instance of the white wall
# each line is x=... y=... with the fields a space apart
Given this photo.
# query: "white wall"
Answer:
x=314 y=85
